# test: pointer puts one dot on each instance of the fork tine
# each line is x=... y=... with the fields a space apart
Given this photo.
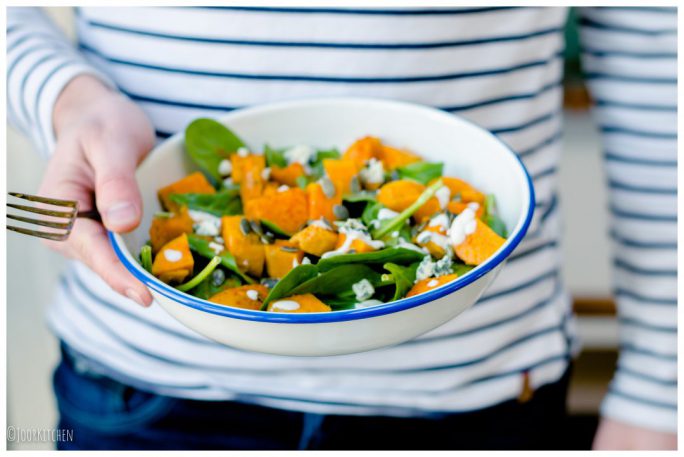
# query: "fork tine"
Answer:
x=49 y=201
x=28 y=220
x=44 y=212
x=39 y=234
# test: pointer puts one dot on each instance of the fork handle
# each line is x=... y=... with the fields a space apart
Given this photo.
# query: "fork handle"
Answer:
x=90 y=214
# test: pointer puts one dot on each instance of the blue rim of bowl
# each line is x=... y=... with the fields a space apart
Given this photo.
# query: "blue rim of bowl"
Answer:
x=351 y=314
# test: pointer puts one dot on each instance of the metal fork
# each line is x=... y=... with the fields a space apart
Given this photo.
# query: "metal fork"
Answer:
x=63 y=227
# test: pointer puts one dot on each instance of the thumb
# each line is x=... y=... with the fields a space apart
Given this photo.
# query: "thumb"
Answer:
x=116 y=191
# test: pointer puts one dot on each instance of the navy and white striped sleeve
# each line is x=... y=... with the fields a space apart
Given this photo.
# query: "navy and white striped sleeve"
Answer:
x=40 y=62
x=630 y=62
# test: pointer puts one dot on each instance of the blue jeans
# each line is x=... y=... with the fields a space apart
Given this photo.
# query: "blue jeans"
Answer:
x=106 y=414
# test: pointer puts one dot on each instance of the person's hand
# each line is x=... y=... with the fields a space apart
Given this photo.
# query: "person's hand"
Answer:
x=101 y=138
x=613 y=435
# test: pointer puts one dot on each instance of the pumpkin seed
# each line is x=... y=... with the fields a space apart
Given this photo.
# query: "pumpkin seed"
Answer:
x=217 y=277
x=341 y=212
x=288 y=249
x=327 y=222
x=355 y=186
x=269 y=282
x=256 y=227
x=244 y=226
x=328 y=187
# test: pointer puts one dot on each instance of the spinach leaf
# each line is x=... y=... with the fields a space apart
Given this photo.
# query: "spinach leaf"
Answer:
x=322 y=154
x=208 y=142
x=404 y=233
x=403 y=277
x=207 y=288
x=201 y=246
x=460 y=269
x=275 y=157
x=339 y=303
x=495 y=223
x=317 y=170
x=363 y=196
x=370 y=213
x=223 y=203
x=273 y=228
x=337 y=280
x=423 y=172
x=394 y=255
x=491 y=218
x=289 y=282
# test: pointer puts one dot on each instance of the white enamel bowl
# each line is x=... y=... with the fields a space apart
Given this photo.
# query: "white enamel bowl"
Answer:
x=468 y=152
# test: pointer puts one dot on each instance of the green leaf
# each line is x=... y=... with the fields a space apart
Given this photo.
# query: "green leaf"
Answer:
x=223 y=203
x=394 y=255
x=390 y=225
x=403 y=277
x=460 y=269
x=290 y=281
x=370 y=213
x=275 y=157
x=322 y=154
x=423 y=172
x=207 y=289
x=491 y=218
x=337 y=280
x=404 y=234
x=495 y=223
x=208 y=142
x=201 y=246
x=146 y=257
x=317 y=170
x=201 y=276
x=341 y=303
x=363 y=196
x=303 y=181
x=273 y=228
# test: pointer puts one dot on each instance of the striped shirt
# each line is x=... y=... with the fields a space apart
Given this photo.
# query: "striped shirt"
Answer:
x=499 y=67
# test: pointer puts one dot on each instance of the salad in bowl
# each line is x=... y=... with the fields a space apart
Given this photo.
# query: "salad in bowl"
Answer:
x=296 y=229
x=325 y=226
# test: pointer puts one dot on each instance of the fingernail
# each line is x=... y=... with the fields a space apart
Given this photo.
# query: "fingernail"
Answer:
x=120 y=214
x=133 y=295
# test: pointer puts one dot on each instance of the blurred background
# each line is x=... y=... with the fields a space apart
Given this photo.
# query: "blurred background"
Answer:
x=33 y=271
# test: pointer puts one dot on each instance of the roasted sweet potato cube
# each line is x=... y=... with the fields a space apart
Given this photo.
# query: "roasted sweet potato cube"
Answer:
x=393 y=158
x=399 y=195
x=246 y=297
x=479 y=245
x=319 y=204
x=340 y=173
x=287 y=175
x=430 y=283
x=361 y=151
x=288 y=210
x=307 y=303
x=457 y=207
x=248 y=172
x=174 y=261
x=315 y=240
x=281 y=257
x=164 y=229
x=194 y=183
x=462 y=190
x=435 y=249
x=356 y=245
x=247 y=249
